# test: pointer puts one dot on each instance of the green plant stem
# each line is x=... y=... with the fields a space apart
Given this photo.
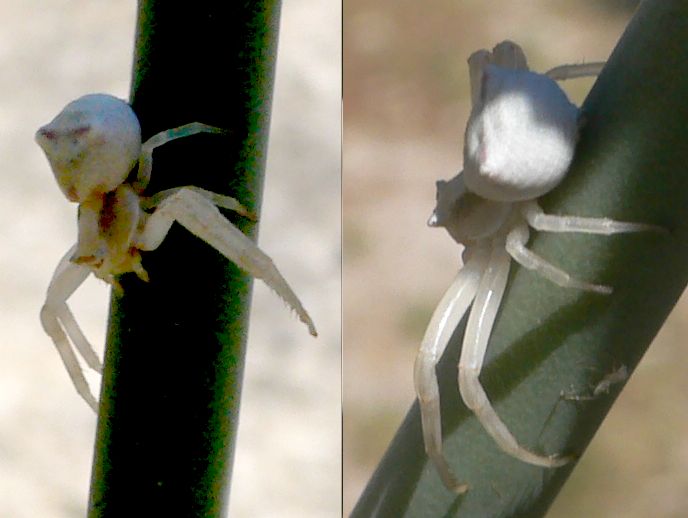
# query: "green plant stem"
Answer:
x=630 y=165
x=175 y=347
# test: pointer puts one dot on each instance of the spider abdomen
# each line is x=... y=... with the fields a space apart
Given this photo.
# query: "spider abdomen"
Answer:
x=520 y=137
x=92 y=145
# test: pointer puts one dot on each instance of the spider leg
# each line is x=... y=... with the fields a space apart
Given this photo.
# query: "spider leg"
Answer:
x=516 y=247
x=551 y=223
x=201 y=217
x=563 y=72
x=478 y=330
x=146 y=158
x=59 y=323
x=508 y=54
x=226 y=202
x=446 y=317
x=476 y=64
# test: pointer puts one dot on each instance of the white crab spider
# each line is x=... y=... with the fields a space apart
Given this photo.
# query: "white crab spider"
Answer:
x=92 y=145
x=519 y=142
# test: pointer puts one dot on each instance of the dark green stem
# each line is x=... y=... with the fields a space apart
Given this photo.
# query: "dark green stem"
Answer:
x=630 y=165
x=175 y=348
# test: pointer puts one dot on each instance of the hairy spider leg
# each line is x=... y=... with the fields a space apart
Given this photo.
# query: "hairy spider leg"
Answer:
x=537 y=219
x=226 y=202
x=478 y=330
x=451 y=309
x=56 y=315
x=201 y=217
x=563 y=72
x=516 y=247
x=146 y=158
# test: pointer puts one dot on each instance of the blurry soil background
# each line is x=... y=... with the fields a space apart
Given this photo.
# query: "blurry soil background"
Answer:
x=406 y=105
x=288 y=460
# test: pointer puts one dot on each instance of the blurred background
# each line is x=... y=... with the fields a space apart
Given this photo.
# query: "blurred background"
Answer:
x=406 y=105
x=53 y=52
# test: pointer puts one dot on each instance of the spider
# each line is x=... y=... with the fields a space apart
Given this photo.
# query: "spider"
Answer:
x=92 y=145
x=519 y=142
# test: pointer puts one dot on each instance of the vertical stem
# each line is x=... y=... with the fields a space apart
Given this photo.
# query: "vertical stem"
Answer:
x=175 y=348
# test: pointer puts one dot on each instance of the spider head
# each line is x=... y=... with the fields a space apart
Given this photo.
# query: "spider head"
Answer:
x=466 y=216
x=91 y=145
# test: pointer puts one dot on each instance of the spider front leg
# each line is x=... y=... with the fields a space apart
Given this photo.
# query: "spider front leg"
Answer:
x=143 y=173
x=59 y=323
x=478 y=330
x=220 y=200
x=199 y=215
x=446 y=317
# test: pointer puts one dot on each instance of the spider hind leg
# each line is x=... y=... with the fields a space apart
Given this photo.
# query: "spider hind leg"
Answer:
x=478 y=330
x=445 y=318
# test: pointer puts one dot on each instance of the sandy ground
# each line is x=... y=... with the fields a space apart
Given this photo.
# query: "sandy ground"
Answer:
x=406 y=105
x=52 y=52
